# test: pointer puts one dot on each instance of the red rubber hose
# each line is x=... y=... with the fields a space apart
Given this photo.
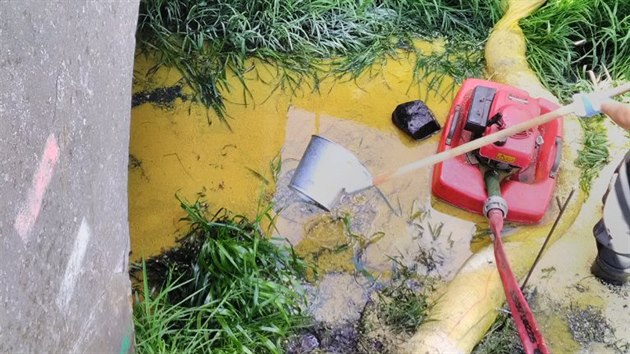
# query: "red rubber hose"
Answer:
x=526 y=325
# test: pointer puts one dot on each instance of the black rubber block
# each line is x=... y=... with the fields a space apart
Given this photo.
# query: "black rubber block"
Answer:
x=416 y=119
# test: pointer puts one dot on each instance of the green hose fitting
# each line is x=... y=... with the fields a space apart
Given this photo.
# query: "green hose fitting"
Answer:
x=493 y=183
x=492 y=180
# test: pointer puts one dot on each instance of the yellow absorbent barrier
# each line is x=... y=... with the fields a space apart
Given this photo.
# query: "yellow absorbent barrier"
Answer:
x=468 y=305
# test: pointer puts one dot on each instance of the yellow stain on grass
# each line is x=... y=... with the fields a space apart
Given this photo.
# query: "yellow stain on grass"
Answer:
x=176 y=152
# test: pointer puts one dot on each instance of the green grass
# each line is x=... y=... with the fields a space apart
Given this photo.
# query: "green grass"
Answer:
x=207 y=41
x=226 y=289
x=595 y=153
x=566 y=36
x=403 y=304
x=502 y=338
x=462 y=58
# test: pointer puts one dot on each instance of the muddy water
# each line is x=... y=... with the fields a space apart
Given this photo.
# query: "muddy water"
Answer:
x=365 y=230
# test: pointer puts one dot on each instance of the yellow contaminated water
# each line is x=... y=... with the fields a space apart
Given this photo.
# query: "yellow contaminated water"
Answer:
x=328 y=245
x=174 y=151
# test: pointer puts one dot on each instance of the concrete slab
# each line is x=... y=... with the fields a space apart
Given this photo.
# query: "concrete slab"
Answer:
x=65 y=96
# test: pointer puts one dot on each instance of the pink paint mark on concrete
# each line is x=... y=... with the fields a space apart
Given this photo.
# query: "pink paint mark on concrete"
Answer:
x=27 y=216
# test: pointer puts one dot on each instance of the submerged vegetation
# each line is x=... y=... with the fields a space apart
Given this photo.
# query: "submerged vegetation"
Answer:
x=396 y=310
x=403 y=305
x=502 y=338
x=226 y=289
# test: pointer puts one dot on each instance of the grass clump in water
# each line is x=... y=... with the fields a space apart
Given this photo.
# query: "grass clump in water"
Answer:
x=395 y=312
x=209 y=40
x=502 y=337
x=226 y=289
x=403 y=304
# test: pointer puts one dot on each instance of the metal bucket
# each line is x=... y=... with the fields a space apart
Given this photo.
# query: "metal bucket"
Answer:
x=326 y=170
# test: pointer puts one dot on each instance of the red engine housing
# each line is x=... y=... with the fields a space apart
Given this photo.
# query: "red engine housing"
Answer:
x=518 y=150
x=535 y=152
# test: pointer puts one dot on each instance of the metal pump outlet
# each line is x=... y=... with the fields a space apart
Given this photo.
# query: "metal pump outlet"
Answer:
x=612 y=232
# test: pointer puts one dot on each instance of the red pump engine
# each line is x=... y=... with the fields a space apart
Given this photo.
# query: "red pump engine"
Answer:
x=531 y=157
x=518 y=152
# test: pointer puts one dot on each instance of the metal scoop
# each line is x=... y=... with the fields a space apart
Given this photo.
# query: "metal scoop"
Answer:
x=326 y=170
